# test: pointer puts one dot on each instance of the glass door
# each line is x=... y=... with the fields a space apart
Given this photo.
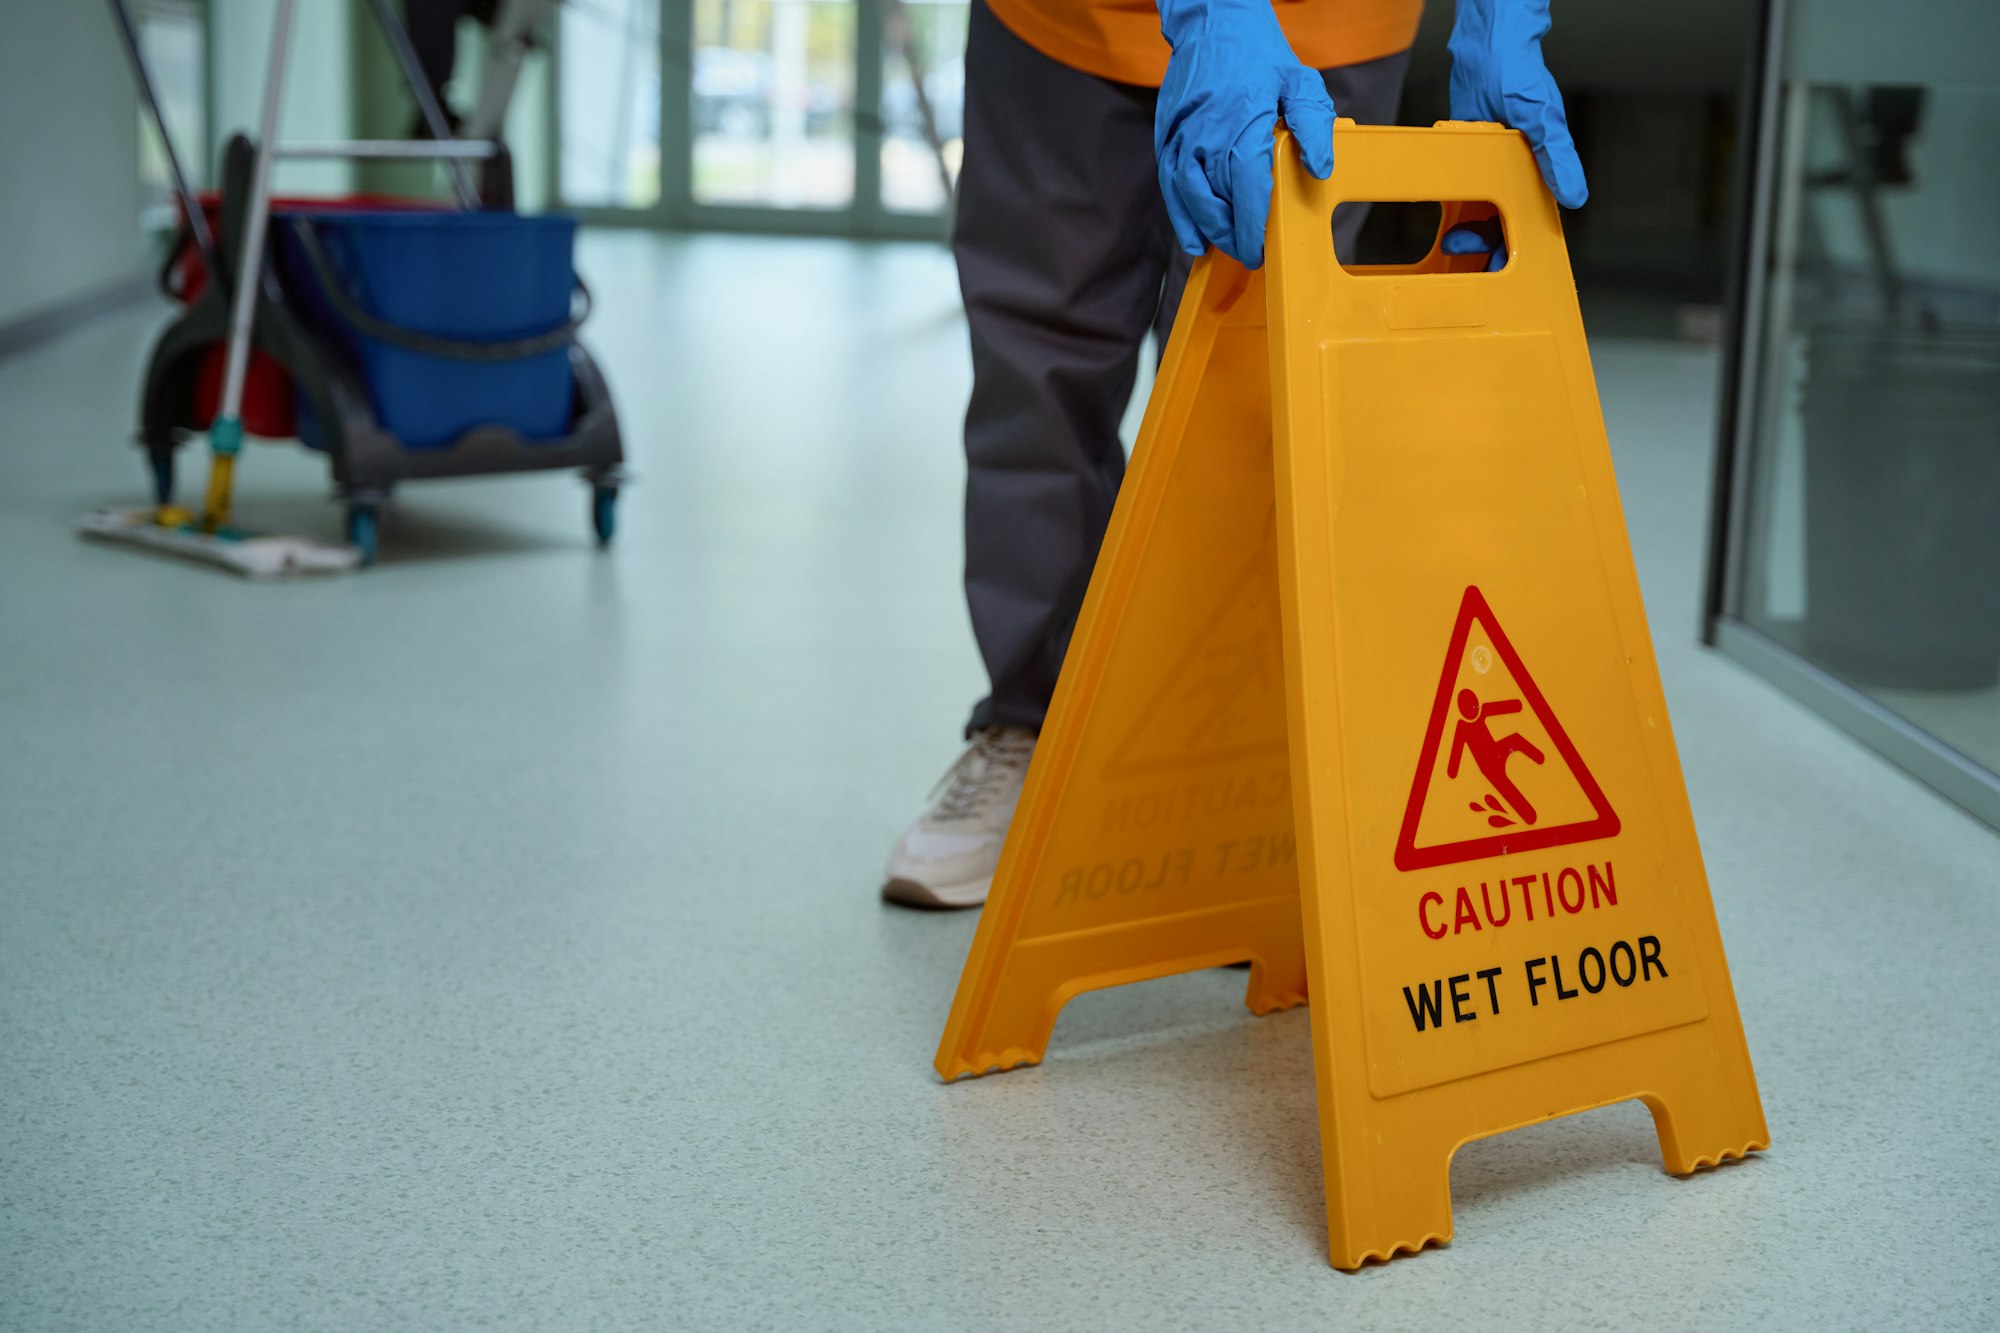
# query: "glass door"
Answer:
x=1857 y=542
x=608 y=105
x=835 y=117
x=772 y=120
x=173 y=40
x=923 y=103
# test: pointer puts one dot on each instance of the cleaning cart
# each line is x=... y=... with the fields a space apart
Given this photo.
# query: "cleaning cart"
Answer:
x=403 y=341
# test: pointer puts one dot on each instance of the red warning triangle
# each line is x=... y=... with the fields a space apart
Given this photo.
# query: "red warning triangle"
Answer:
x=1498 y=774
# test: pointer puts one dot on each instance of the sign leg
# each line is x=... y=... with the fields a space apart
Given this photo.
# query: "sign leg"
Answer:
x=1706 y=1108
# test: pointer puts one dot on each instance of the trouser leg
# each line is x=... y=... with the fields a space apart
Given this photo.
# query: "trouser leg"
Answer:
x=1062 y=244
x=1065 y=259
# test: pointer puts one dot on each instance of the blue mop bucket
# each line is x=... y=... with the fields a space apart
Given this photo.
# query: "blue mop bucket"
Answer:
x=457 y=320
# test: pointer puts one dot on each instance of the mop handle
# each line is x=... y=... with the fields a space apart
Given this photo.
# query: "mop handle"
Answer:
x=243 y=301
x=197 y=220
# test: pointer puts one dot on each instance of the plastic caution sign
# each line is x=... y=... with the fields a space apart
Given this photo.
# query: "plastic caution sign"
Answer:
x=1362 y=692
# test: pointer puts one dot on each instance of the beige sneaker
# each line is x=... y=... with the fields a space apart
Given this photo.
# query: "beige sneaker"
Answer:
x=946 y=859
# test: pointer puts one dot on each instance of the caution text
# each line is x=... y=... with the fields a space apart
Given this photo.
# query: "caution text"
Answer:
x=1524 y=897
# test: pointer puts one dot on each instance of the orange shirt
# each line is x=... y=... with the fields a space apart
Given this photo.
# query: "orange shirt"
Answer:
x=1120 y=39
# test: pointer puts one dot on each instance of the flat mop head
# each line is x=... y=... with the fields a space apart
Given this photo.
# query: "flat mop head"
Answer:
x=253 y=555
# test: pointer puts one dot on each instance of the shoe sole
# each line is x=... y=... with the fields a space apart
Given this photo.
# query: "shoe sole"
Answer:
x=937 y=897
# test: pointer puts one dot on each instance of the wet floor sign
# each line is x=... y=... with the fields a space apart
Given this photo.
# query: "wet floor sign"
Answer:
x=1363 y=693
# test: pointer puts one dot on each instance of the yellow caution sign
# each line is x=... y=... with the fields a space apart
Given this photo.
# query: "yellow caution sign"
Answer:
x=1362 y=692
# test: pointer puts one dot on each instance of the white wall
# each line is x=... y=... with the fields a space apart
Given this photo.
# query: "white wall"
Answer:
x=319 y=82
x=69 y=157
x=527 y=135
x=527 y=129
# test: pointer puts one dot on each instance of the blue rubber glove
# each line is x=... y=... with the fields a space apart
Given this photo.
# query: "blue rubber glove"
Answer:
x=1231 y=76
x=1497 y=74
x=1478 y=238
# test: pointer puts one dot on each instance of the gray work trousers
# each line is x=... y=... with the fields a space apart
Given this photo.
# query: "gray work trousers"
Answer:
x=1066 y=261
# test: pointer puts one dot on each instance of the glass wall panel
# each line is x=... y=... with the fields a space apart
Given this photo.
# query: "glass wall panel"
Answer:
x=609 y=109
x=1871 y=519
x=923 y=102
x=173 y=38
x=773 y=103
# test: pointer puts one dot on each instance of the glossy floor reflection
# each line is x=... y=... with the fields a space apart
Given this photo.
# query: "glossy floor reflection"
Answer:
x=492 y=938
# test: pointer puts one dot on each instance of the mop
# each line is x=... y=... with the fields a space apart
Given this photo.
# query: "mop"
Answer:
x=209 y=536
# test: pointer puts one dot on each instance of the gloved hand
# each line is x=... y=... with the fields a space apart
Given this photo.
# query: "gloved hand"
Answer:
x=1478 y=238
x=1497 y=74
x=1231 y=76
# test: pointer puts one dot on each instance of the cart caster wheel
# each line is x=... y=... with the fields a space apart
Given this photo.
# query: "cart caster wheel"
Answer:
x=161 y=462
x=362 y=524
x=604 y=512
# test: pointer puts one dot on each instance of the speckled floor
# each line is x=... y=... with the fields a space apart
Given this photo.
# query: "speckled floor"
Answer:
x=492 y=939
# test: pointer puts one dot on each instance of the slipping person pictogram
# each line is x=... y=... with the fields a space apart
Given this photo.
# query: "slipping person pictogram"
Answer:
x=1474 y=736
x=1569 y=805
